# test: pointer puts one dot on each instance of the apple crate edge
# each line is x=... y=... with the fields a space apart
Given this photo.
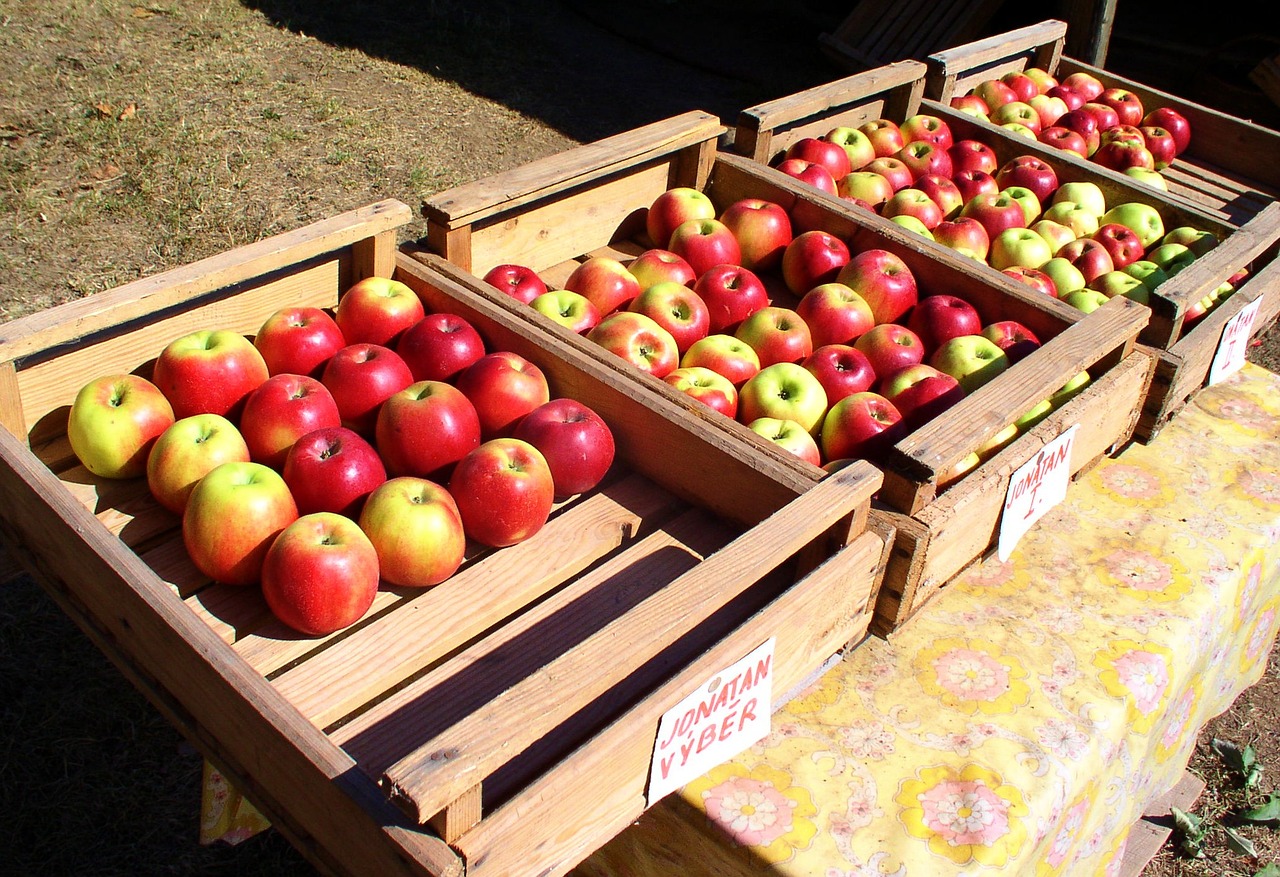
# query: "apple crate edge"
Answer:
x=260 y=702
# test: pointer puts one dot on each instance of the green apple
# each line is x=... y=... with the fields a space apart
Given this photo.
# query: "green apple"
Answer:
x=1117 y=282
x=1171 y=257
x=997 y=442
x=1066 y=277
x=786 y=391
x=1086 y=193
x=1143 y=218
x=912 y=223
x=186 y=451
x=1148 y=272
x=570 y=309
x=1055 y=233
x=973 y=360
x=1019 y=247
x=1078 y=217
x=1027 y=199
x=857 y=145
x=788 y=435
x=1197 y=240
x=1070 y=389
x=1146 y=175
x=1033 y=416
x=1085 y=300
x=113 y=423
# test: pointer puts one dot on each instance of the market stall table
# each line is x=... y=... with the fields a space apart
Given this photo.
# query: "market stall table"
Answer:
x=1026 y=719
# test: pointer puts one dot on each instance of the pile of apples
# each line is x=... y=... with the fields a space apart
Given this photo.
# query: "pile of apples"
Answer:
x=1063 y=239
x=831 y=354
x=1107 y=125
x=337 y=450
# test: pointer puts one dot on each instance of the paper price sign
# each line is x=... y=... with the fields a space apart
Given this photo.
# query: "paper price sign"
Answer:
x=1230 y=355
x=1037 y=486
x=715 y=722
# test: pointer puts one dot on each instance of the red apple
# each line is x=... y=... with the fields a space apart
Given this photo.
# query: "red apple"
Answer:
x=280 y=411
x=1105 y=115
x=209 y=371
x=810 y=172
x=1023 y=85
x=883 y=280
x=920 y=393
x=924 y=157
x=971 y=154
x=639 y=340
x=731 y=293
x=232 y=516
x=856 y=145
x=889 y=347
x=1015 y=339
x=1072 y=98
x=671 y=208
x=321 y=574
x=605 y=282
x=361 y=377
x=711 y=388
x=860 y=426
x=570 y=309
x=944 y=192
x=776 y=334
x=763 y=230
x=866 y=188
x=298 y=340
x=1131 y=133
x=834 y=313
x=425 y=429
x=970 y=103
x=996 y=211
x=893 y=169
x=332 y=469
x=913 y=202
x=842 y=369
x=705 y=243
x=724 y=355
x=1128 y=106
x=656 y=265
x=676 y=308
x=1062 y=137
x=1084 y=123
x=504 y=491
x=1121 y=242
x=375 y=310
x=1160 y=144
x=1031 y=172
x=821 y=151
x=884 y=134
x=972 y=183
x=1033 y=277
x=935 y=318
x=416 y=529
x=574 y=440
x=812 y=258
x=114 y=422
x=439 y=346
x=1085 y=83
x=1172 y=121
x=928 y=127
x=1090 y=256
x=964 y=234
x=518 y=281
x=1121 y=154
x=995 y=93
x=1049 y=109
x=503 y=386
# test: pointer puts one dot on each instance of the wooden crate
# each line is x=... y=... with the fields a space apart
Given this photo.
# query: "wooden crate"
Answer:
x=551 y=213
x=764 y=132
x=498 y=723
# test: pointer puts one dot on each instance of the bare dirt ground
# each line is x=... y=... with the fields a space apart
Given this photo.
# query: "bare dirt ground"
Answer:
x=135 y=137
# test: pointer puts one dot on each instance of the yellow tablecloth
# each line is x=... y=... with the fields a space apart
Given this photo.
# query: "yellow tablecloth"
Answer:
x=1026 y=719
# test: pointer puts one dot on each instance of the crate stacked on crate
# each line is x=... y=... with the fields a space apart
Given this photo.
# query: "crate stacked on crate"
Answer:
x=499 y=722
x=557 y=213
x=1182 y=336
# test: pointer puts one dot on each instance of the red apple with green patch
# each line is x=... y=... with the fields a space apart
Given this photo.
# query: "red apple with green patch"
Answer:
x=416 y=531
x=763 y=230
x=996 y=211
x=1089 y=255
x=232 y=516
x=1015 y=339
x=824 y=152
x=187 y=451
x=656 y=265
x=776 y=334
x=927 y=127
x=1172 y=121
x=995 y=93
x=1036 y=278
x=944 y=192
x=936 y=318
x=1161 y=145
x=883 y=280
x=570 y=309
x=923 y=157
x=705 y=243
x=1030 y=172
x=964 y=234
x=1062 y=137
x=725 y=355
x=856 y=145
x=970 y=104
x=920 y=393
x=860 y=426
x=834 y=313
x=884 y=134
x=867 y=187
x=889 y=347
x=113 y=423
x=1121 y=242
x=209 y=371
x=1128 y=106
x=785 y=390
x=893 y=169
x=788 y=435
x=913 y=202
x=709 y=387
x=605 y=282
x=812 y=258
x=816 y=175
x=639 y=340
x=375 y=310
x=676 y=308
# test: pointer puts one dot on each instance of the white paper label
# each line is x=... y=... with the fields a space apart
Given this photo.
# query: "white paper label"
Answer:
x=714 y=723
x=1037 y=486
x=1230 y=355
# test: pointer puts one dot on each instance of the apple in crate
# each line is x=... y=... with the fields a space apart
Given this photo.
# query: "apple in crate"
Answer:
x=1121 y=243
x=776 y=334
x=360 y=378
x=209 y=371
x=860 y=426
x=835 y=314
x=1081 y=220
x=1141 y=217
x=890 y=347
x=1117 y=282
x=970 y=103
x=866 y=187
x=504 y=387
x=676 y=308
x=673 y=207
x=1055 y=233
x=970 y=154
x=416 y=530
x=1160 y=144
x=725 y=355
x=788 y=435
x=842 y=369
x=1015 y=339
x=439 y=346
x=232 y=516
x=518 y=281
x=1036 y=278
x=856 y=145
x=973 y=183
x=965 y=235
x=709 y=387
x=1121 y=154
x=1062 y=137
x=928 y=127
x=762 y=228
x=604 y=281
x=936 y=318
x=1049 y=108
x=785 y=390
x=570 y=309
x=1031 y=172
x=995 y=93
x=321 y=574
x=332 y=469
x=1172 y=121
x=639 y=340
x=1197 y=240
x=1063 y=274
x=944 y=192
x=1085 y=300
x=996 y=211
x=1020 y=113
x=705 y=243
x=298 y=340
x=504 y=491
x=1019 y=247
x=925 y=157
x=973 y=360
x=822 y=152
x=1089 y=255
x=575 y=441
x=812 y=258
x=915 y=203
x=731 y=293
x=884 y=134
x=920 y=393
x=376 y=310
x=1128 y=106
x=895 y=170
x=656 y=265
x=883 y=280
x=282 y=410
x=113 y=423
x=187 y=451
x=425 y=429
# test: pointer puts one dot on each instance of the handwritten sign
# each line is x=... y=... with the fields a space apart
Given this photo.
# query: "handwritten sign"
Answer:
x=1234 y=343
x=721 y=718
x=1037 y=486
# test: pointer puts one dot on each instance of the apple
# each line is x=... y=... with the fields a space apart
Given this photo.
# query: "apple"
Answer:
x=1055 y=233
x=1147 y=177
x=893 y=169
x=1172 y=121
x=1089 y=255
x=504 y=491
x=811 y=172
x=972 y=183
x=970 y=103
x=823 y=152
x=1117 y=282
x=518 y=281
x=360 y=377
x=1062 y=137
x=842 y=370
x=964 y=234
x=1085 y=83
x=944 y=192
x=1151 y=274
x=673 y=207
x=996 y=211
x=1085 y=300
x=1049 y=108
x=913 y=202
x=439 y=346
x=416 y=530
x=187 y=451
x=860 y=426
x=1015 y=339
x=912 y=224
x=762 y=228
x=424 y=429
x=1070 y=389
x=1043 y=79
x=928 y=127
x=731 y=293
x=883 y=280
x=711 y=388
x=1036 y=278
x=1086 y=193
x=505 y=386
x=1082 y=221
x=1030 y=172
x=1019 y=129
x=1031 y=208
x=971 y=154
x=920 y=392
x=375 y=310
x=1171 y=257
x=280 y=411
x=995 y=93
x=1072 y=98
x=705 y=243
x=655 y=265
x=570 y=309
x=834 y=313
x=1143 y=218
x=856 y=144
x=812 y=258
x=924 y=157
x=1018 y=112
x=973 y=360
x=1161 y=145
x=776 y=334
x=574 y=440
x=788 y=435
x=1197 y=240
x=1130 y=133
x=1121 y=242
x=676 y=308
x=1019 y=246
x=889 y=347
x=1084 y=123
x=639 y=340
x=1064 y=275
x=866 y=186
x=884 y=134
x=114 y=422
x=935 y=318
x=321 y=574
x=785 y=390
x=605 y=282
x=1023 y=85
x=725 y=355
x=1128 y=106
x=209 y=371
x=1119 y=154
x=232 y=516
x=332 y=469
x=298 y=340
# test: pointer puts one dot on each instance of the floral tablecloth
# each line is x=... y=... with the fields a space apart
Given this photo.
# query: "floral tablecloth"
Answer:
x=1034 y=709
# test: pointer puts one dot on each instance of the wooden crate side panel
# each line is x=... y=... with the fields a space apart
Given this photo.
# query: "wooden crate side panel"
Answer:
x=229 y=709
x=957 y=70
x=595 y=793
